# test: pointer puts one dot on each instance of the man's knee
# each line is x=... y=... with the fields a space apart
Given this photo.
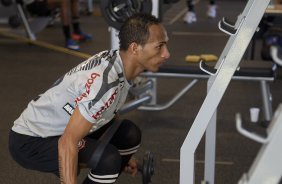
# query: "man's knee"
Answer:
x=110 y=161
x=130 y=133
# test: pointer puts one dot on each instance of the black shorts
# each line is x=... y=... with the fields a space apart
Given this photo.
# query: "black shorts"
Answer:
x=35 y=153
x=39 y=8
x=41 y=154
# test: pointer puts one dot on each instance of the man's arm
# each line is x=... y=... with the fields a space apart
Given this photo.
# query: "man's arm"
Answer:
x=77 y=128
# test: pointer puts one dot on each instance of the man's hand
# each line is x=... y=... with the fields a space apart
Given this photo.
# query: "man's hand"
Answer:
x=132 y=167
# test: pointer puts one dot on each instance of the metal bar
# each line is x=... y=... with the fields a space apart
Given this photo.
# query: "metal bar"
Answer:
x=28 y=30
x=200 y=76
x=210 y=147
x=172 y=101
x=267 y=100
x=114 y=38
x=134 y=104
x=138 y=90
x=90 y=6
x=153 y=92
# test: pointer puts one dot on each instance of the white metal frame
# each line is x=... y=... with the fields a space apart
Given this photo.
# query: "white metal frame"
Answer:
x=240 y=37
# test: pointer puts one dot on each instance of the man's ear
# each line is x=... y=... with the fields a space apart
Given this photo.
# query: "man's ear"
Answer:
x=134 y=47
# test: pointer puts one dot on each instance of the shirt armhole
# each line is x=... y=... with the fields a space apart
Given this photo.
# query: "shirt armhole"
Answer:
x=84 y=113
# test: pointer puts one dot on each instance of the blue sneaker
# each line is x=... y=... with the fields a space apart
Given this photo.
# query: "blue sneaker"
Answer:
x=72 y=44
x=81 y=37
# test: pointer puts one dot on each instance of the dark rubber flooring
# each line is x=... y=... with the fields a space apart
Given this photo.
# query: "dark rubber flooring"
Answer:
x=27 y=70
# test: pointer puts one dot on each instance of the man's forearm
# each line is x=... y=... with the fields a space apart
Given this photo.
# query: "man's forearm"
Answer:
x=77 y=128
x=67 y=161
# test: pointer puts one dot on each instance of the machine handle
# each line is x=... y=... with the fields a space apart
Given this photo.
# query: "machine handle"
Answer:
x=228 y=27
x=274 y=55
x=228 y=23
x=251 y=135
x=210 y=70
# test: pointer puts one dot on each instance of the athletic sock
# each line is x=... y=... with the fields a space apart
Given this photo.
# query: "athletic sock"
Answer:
x=212 y=2
x=67 y=32
x=100 y=179
x=76 y=25
x=190 y=6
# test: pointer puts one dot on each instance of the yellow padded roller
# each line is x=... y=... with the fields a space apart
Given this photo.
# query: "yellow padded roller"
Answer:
x=209 y=57
x=198 y=58
x=192 y=58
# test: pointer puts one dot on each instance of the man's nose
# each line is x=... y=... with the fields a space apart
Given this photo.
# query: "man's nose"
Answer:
x=165 y=53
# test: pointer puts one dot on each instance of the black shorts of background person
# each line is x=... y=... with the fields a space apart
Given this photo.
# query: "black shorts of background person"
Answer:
x=39 y=8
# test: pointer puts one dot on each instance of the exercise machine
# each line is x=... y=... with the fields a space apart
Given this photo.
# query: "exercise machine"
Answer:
x=17 y=16
x=240 y=34
x=257 y=71
x=266 y=167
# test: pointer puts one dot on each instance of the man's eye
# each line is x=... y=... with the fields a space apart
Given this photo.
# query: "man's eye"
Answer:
x=159 y=46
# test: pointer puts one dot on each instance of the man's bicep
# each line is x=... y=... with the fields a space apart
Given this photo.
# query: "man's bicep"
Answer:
x=78 y=127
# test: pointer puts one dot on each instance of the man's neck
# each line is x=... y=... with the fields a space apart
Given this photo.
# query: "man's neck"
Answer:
x=130 y=64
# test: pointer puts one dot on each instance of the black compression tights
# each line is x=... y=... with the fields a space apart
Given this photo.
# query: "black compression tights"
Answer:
x=116 y=155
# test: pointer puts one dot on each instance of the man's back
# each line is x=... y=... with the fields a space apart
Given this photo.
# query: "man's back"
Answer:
x=92 y=86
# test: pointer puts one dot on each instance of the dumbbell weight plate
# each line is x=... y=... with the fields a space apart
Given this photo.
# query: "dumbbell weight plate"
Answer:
x=14 y=21
x=117 y=11
x=148 y=167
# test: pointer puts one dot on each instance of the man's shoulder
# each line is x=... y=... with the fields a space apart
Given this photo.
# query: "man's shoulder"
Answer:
x=106 y=53
x=105 y=56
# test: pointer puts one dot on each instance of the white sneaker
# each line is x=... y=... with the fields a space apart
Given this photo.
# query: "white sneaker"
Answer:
x=211 y=11
x=190 y=17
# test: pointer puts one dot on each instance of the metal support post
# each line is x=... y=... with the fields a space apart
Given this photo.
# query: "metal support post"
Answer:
x=267 y=100
x=240 y=37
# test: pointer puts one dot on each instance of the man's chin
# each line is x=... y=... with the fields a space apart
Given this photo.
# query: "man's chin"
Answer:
x=154 y=70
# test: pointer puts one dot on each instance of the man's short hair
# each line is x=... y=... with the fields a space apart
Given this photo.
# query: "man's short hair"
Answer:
x=136 y=29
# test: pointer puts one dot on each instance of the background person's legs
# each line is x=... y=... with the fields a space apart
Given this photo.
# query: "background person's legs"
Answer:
x=69 y=11
x=191 y=5
x=38 y=8
x=78 y=35
x=211 y=13
x=190 y=15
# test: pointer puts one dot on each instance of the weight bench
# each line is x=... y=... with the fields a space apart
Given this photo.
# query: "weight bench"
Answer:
x=261 y=71
x=31 y=26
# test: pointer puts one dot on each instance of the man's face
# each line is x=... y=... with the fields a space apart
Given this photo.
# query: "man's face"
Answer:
x=154 y=53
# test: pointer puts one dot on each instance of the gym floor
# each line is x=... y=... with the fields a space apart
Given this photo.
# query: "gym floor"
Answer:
x=27 y=70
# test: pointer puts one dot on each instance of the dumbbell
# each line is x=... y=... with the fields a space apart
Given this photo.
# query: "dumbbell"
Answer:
x=147 y=168
x=116 y=12
x=14 y=21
